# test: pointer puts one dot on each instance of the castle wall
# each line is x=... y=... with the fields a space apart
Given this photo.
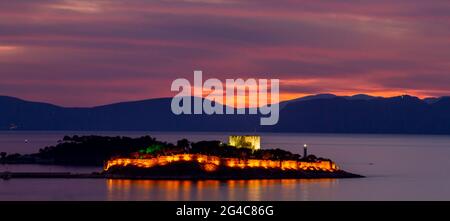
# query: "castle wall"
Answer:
x=214 y=162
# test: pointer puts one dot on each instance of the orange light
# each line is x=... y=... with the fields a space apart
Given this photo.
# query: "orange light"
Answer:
x=264 y=163
x=214 y=162
x=201 y=158
x=231 y=163
x=187 y=157
x=241 y=164
x=209 y=167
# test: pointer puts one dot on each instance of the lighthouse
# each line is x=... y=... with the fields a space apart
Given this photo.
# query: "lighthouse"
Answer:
x=305 y=151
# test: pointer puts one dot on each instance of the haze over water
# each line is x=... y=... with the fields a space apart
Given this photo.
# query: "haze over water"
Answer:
x=397 y=167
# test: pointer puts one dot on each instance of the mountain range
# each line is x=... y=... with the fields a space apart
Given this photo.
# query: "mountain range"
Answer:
x=322 y=113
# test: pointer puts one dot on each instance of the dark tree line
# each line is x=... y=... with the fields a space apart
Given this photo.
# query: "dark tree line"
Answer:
x=95 y=150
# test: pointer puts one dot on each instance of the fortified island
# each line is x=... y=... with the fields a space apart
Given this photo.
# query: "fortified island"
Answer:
x=147 y=158
x=212 y=161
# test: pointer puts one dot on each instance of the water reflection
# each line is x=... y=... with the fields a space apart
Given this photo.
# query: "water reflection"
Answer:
x=169 y=190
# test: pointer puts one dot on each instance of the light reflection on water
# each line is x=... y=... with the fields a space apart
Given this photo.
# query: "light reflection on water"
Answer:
x=252 y=190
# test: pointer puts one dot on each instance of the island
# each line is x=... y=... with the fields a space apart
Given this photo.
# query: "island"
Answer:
x=147 y=158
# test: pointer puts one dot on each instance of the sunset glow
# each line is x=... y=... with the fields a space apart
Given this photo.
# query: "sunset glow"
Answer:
x=88 y=53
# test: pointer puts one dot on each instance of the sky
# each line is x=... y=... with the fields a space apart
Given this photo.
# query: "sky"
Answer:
x=88 y=53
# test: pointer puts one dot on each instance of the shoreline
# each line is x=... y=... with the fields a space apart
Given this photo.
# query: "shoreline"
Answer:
x=95 y=175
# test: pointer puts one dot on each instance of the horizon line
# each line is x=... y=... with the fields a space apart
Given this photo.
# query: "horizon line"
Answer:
x=280 y=102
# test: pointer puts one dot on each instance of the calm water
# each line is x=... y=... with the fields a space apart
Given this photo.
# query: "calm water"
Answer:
x=398 y=167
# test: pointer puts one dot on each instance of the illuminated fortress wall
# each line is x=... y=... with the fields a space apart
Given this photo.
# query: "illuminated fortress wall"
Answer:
x=252 y=142
x=211 y=163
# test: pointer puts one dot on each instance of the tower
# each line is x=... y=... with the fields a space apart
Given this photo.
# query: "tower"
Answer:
x=246 y=141
x=305 y=150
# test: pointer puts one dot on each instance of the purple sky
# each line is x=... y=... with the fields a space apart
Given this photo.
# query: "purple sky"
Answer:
x=85 y=53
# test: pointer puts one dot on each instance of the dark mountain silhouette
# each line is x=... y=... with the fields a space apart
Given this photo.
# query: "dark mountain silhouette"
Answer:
x=152 y=115
x=314 y=114
x=403 y=114
x=329 y=96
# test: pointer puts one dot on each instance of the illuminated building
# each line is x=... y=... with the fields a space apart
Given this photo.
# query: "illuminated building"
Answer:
x=246 y=141
x=212 y=163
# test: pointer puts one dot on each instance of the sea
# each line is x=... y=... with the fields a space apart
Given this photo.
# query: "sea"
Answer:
x=396 y=167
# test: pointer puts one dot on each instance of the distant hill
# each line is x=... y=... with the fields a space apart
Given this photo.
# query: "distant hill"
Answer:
x=329 y=96
x=313 y=114
x=152 y=115
x=403 y=114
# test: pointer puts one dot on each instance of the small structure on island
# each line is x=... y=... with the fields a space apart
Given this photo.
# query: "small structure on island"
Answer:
x=245 y=141
x=305 y=151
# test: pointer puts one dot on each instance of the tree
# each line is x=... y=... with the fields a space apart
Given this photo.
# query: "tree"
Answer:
x=3 y=155
x=183 y=143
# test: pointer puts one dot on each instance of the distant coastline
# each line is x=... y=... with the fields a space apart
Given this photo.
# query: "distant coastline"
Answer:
x=359 y=114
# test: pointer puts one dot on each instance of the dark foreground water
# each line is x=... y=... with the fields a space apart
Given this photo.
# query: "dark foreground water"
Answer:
x=398 y=167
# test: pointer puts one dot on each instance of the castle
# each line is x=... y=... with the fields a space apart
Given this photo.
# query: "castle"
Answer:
x=246 y=141
x=211 y=163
